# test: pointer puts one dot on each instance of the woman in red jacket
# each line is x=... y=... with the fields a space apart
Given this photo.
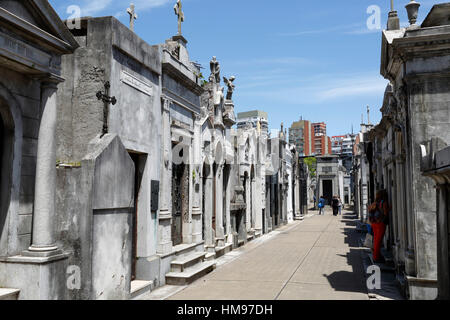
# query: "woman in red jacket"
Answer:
x=378 y=217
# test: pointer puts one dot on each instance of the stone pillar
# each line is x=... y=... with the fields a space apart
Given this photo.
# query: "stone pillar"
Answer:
x=401 y=205
x=258 y=201
x=410 y=255
x=364 y=190
x=165 y=213
x=227 y=194
x=44 y=215
x=220 y=232
x=187 y=221
x=394 y=193
x=197 y=233
x=248 y=203
x=209 y=238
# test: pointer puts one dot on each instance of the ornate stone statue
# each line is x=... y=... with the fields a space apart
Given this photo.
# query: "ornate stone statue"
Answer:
x=231 y=86
x=215 y=70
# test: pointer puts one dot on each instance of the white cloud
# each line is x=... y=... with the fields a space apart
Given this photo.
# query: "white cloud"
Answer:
x=350 y=87
x=318 y=89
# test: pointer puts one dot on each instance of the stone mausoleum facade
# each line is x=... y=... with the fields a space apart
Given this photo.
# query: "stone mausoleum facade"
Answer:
x=121 y=170
x=400 y=154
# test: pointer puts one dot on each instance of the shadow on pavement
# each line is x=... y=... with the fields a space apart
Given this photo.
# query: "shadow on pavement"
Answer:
x=350 y=281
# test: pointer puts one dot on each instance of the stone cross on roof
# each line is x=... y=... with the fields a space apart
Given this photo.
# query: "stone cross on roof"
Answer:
x=179 y=12
x=133 y=16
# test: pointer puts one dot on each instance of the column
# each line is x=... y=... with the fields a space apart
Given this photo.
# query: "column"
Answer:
x=248 y=204
x=227 y=193
x=220 y=232
x=197 y=233
x=44 y=241
x=401 y=207
x=187 y=223
x=410 y=255
x=165 y=214
x=209 y=238
x=258 y=200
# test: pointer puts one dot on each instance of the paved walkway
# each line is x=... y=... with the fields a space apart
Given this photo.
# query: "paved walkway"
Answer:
x=315 y=259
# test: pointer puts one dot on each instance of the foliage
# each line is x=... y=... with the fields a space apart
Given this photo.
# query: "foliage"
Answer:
x=311 y=162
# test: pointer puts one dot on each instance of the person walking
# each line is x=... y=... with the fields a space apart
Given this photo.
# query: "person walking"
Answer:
x=321 y=205
x=340 y=206
x=335 y=205
x=378 y=217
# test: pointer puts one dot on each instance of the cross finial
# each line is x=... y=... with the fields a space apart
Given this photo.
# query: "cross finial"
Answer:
x=179 y=12
x=133 y=16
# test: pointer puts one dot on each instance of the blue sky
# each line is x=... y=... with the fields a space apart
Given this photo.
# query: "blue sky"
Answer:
x=291 y=58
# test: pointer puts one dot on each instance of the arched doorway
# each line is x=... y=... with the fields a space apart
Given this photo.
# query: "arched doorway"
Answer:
x=6 y=157
x=180 y=198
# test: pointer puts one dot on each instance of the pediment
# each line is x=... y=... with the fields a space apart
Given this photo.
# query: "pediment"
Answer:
x=37 y=20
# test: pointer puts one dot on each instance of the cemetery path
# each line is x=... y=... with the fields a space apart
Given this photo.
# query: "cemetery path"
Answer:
x=315 y=259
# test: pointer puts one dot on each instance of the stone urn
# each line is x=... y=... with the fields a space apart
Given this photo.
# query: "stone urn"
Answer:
x=413 y=11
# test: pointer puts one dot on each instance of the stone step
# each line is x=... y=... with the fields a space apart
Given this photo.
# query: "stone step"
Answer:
x=220 y=242
x=191 y=274
x=183 y=250
x=181 y=264
x=258 y=234
x=220 y=251
x=140 y=288
x=241 y=243
x=250 y=237
x=210 y=256
x=210 y=249
x=9 y=294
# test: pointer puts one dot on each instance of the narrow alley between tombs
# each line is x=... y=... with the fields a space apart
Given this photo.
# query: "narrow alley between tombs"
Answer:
x=314 y=259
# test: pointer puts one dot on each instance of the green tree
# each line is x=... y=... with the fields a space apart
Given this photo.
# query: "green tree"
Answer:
x=311 y=162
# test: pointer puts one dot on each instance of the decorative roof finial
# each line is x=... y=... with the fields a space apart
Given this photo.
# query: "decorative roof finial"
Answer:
x=133 y=16
x=413 y=12
x=179 y=12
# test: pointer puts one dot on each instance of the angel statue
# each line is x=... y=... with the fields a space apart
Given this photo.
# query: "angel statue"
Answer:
x=230 y=86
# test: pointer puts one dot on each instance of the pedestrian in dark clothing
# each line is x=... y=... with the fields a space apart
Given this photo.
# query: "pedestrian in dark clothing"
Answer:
x=335 y=205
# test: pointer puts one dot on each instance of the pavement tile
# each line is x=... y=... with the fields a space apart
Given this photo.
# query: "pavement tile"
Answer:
x=230 y=290
x=295 y=291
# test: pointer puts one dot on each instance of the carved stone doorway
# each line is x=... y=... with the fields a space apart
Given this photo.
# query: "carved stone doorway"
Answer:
x=139 y=161
x=327 y=187
x=180 y=201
